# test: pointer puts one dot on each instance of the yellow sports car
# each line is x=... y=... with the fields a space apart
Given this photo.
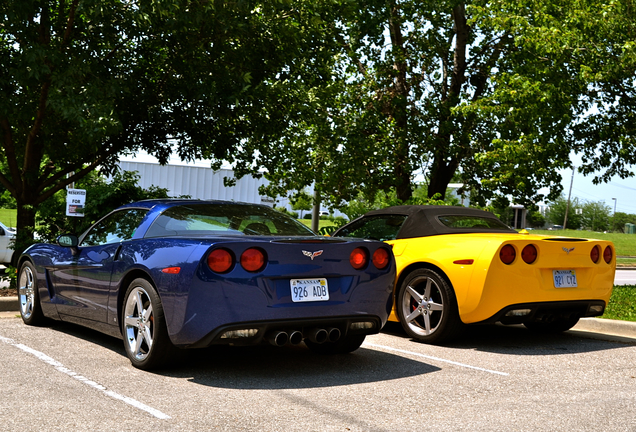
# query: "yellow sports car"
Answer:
x=458 y=266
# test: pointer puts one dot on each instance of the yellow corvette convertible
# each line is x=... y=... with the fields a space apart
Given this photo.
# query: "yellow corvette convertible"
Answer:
x=458 y=266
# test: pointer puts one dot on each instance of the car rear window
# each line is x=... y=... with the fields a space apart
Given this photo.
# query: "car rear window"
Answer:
x=472 y=222
x=225 y=219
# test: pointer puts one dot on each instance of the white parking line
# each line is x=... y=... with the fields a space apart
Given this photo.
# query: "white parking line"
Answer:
x=386 y=348
x=61 y=368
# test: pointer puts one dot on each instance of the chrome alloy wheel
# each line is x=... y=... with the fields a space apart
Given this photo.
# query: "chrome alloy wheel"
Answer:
x=26 y=292
x=139 y=323
x=422 y=306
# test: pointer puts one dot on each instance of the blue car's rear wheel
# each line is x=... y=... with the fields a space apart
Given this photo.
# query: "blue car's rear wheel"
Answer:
x=427 y=307
x=144 y=327
x=30 y=308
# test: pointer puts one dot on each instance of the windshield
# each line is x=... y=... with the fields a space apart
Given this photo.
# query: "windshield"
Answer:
x=225 y=219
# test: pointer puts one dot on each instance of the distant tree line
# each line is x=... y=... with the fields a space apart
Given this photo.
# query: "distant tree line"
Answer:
x=588 y=215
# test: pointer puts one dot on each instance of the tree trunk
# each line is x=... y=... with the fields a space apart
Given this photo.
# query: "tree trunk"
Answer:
x=441 y=175
x=445 y=165
x=399 y=106
x=25 y=226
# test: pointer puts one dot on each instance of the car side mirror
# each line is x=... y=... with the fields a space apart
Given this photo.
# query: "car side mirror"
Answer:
x=70 y=241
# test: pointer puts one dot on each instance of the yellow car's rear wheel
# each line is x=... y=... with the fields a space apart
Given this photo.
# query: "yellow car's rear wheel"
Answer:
x=427 y=307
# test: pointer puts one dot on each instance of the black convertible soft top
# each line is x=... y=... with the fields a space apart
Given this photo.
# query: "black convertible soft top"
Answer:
x=429 y=220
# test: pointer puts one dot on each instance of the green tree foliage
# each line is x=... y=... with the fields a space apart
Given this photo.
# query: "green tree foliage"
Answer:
x=358 y=207
x=287 y=212
x=594 y=43
x=620 y=219
x=595 y=216
x=446 y=88
x=556 y=212
x=83 y=81
x=535 y=219
x=587 y=215
x=7 y=200
x=302 y=201
x=102 y=196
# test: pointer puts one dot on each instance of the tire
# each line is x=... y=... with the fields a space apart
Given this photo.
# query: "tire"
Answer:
x=427 y=307
x=344 y=345
x=29 y=297
x=557 y=326
x=144 y=327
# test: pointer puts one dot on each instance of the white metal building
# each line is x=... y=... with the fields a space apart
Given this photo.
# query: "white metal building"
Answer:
x=197 y=182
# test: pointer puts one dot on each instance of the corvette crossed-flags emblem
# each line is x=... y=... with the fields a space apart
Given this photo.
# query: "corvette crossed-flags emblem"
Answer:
x=312 y=255
x=567 y=251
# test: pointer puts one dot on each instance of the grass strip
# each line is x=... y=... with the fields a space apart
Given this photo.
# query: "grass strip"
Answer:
x=622 y=304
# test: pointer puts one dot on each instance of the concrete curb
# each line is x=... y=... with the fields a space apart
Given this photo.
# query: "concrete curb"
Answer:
x=9 y=304
x=607 y=326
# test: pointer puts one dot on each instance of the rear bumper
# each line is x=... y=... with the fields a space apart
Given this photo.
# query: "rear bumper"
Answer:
x=547 y=311
x=254 y=333
x=200 y=316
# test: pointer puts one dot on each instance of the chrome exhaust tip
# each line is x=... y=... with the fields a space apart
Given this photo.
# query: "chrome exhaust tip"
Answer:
x=277 y=338
x=295 y=337
x=333 y=334
x=318 y=335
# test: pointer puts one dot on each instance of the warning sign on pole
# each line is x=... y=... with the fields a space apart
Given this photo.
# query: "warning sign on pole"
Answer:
x=75 y=202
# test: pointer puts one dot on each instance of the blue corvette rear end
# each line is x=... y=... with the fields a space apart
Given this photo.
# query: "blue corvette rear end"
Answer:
x=203 y=307
x=191 y=274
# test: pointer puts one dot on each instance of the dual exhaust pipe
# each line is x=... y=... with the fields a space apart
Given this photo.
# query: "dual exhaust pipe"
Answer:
x=294 y=337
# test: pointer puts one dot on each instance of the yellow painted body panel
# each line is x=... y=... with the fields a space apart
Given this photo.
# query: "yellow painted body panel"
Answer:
x=488 y=285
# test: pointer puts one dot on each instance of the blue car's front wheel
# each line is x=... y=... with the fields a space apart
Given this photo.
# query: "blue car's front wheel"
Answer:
x=144 y=327
x=30 y=308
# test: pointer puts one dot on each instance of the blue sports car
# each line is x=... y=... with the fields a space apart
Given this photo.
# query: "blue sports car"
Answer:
x=167 y=274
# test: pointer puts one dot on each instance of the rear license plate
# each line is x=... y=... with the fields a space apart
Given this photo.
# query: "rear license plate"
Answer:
x=304 y=290
x=564 y=278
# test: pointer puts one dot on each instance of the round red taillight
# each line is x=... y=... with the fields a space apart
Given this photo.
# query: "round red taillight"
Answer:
x=608 y=254
x=380 y=258
x=595 y=253
x=507 y=254
x=529 y=254
x=253 y=260
x=220 y=260
x=358 y=258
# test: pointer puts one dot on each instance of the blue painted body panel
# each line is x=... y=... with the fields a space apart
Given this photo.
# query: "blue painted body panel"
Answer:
x=88 y=287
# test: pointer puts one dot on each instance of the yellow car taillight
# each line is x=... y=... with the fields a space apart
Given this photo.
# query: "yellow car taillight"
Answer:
x=595 y=254
x=608 y=254
x=529 y=254
x=507 y=254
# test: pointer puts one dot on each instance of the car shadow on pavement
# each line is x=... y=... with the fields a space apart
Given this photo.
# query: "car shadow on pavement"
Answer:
x=89 y=335
x=267 y=367
x=518 y=340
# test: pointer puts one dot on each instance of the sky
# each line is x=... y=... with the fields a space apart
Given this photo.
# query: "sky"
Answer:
x=624 y=190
